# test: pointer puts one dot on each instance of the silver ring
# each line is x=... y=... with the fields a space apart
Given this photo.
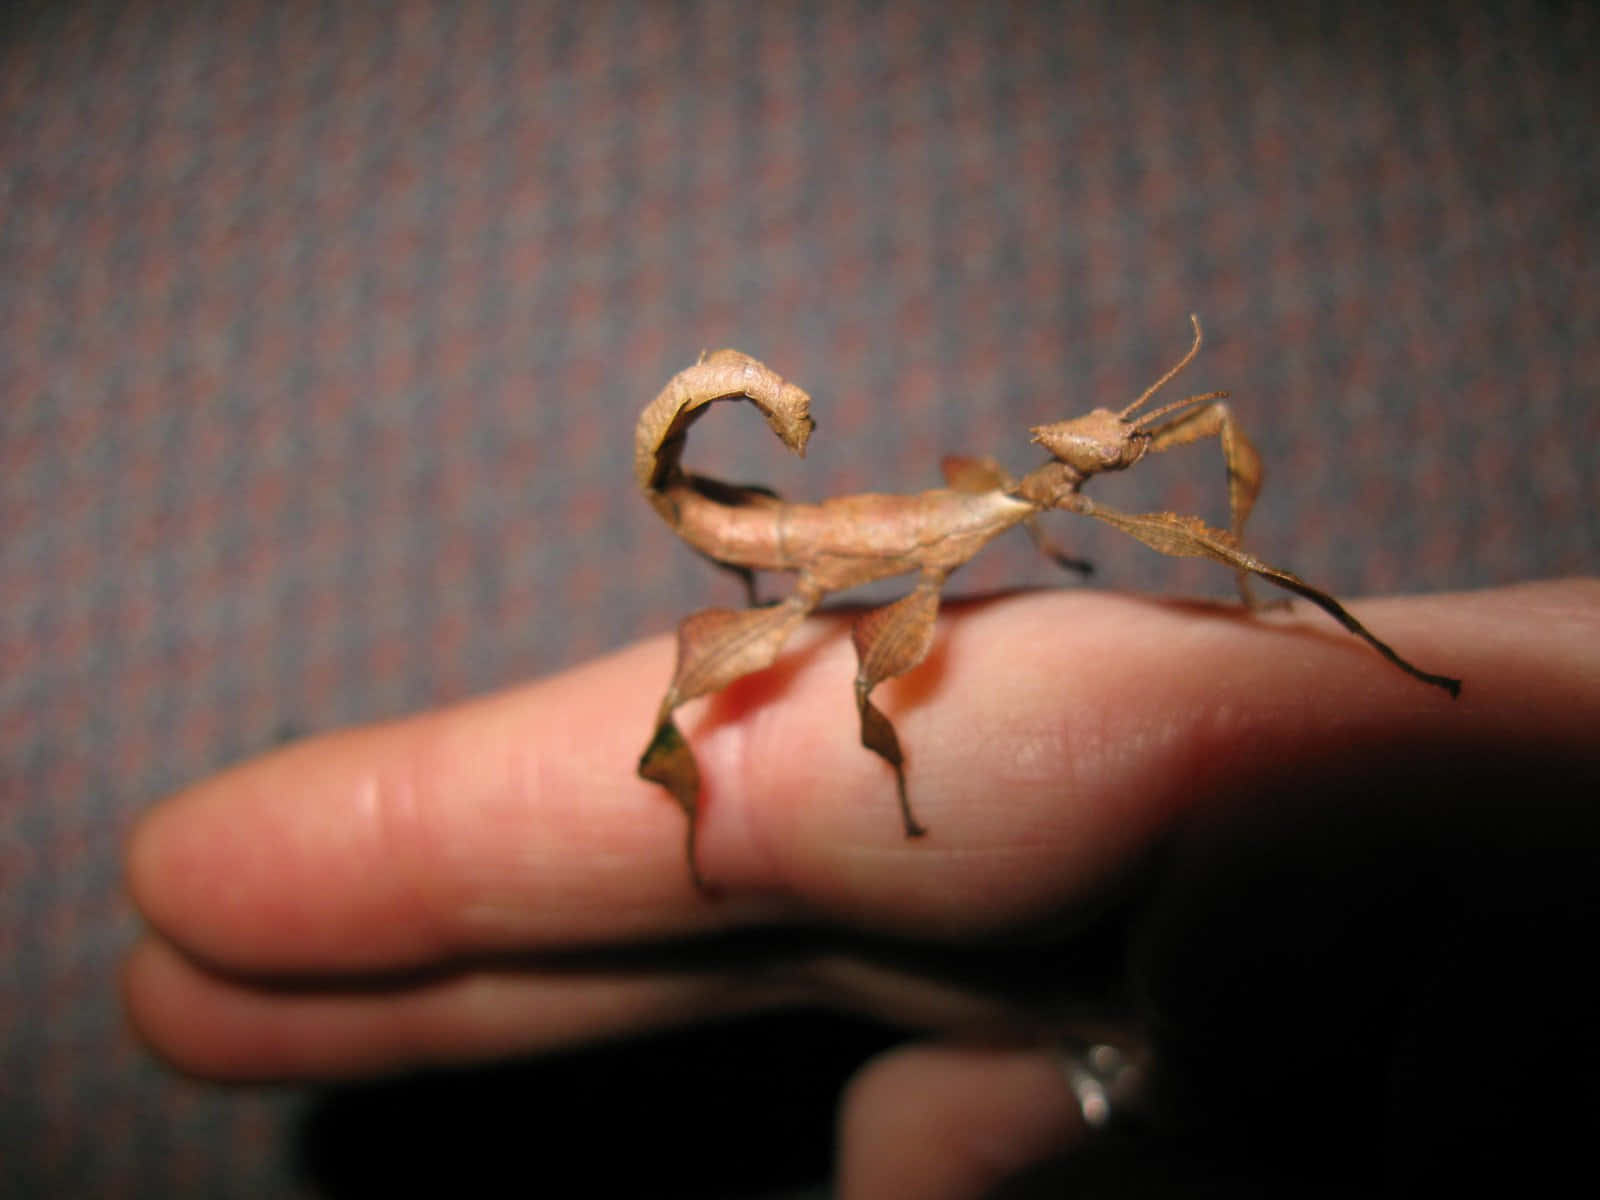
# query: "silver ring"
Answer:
x=1108 y=1078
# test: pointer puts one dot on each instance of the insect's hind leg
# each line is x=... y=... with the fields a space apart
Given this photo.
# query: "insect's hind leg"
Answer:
x=715 y=647
x=1239 y=456
x=890 y=641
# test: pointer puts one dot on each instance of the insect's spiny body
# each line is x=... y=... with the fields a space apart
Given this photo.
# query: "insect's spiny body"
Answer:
x=851 y=540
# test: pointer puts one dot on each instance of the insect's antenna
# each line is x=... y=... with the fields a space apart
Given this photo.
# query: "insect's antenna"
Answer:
x=1167 y=378
x=1176 y=404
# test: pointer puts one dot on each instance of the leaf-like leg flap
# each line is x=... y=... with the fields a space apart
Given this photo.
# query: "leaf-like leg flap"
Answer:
x=715 y=647
x=982 y=474
x=1238 y=455
x=877 y=735
x=1190 y=537
x=718 y=645
x=890 y=641
x=669 y=761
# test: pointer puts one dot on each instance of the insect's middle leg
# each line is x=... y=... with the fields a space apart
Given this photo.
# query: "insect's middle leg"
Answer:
x=1240 y=457
x=890 y=641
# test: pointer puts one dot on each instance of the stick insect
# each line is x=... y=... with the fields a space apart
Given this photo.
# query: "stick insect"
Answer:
x=852 y=540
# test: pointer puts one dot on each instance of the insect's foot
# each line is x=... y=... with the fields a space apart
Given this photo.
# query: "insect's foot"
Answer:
x=913 y=828
x=1447 y=682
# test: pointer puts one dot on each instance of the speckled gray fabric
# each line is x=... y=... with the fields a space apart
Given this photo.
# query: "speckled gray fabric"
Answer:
x=323 y=328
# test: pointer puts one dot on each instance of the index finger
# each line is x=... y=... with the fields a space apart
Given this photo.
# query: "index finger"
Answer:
x=1048 y=737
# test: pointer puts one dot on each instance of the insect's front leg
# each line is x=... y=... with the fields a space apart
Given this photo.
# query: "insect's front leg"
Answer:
x=890 y=641
x=715 y=647
x=1241 y=458
x=1190 y=537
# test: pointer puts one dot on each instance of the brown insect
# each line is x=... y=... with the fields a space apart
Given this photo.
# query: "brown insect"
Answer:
x=852 y=540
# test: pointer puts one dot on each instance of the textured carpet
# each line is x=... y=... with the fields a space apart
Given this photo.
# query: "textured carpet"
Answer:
x=323 y=328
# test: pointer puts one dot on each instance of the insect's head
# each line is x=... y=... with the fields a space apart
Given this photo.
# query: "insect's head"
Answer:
x=1097 y=441
x=1103 y=440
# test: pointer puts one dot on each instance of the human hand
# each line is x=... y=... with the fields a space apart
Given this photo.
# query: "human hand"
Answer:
x=487 y=874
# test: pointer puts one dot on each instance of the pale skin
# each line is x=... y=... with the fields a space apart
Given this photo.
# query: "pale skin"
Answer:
x=852 y=540
x=293 y=900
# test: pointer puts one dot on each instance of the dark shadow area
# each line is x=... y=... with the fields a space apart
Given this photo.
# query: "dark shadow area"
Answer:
x=743 y=1109
x=1375 y=978
x=1379 y=983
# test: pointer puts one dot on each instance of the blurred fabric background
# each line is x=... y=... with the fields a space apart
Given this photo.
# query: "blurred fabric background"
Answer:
x=323 y=328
